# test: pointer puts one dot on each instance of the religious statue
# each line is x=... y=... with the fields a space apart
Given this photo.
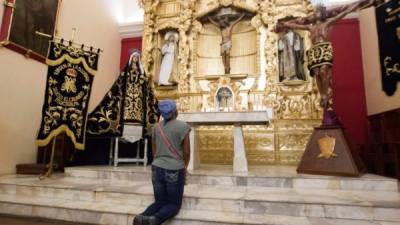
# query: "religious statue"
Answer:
x=320 y=56
x=291 y=56
x=135 y=62
x=224 y=21
x=168 y=65
x=224 y=98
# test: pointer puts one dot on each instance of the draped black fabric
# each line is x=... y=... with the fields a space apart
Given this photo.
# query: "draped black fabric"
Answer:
x=388 y=26
x=69 y=84
x=130 y=100
x=140 y=104
x=152 y=115
x=106 y=120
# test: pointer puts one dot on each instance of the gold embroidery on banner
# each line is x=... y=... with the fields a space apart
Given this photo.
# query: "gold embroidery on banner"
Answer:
x=57 y=49
x=69 y=84
x=391 y=70
x=72 y=60
x=75 y=52
x=58 y=131
x=91 y=59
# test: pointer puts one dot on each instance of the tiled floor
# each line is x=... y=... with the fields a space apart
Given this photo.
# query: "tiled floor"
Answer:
x=6 y=220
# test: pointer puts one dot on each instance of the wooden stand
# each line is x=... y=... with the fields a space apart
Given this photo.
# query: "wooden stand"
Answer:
x=42 y=169
x=50 y=169
x=31 y=169
x=340 y=160
x=64 y=148
x=58 y=151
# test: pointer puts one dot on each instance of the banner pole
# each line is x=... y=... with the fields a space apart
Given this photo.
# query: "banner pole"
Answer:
x=51 y=163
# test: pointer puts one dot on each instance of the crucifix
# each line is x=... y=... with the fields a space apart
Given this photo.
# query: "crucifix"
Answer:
x=225 y=20
x=320 y=55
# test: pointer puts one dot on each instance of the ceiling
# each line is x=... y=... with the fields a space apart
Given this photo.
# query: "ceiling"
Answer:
x=128 y=11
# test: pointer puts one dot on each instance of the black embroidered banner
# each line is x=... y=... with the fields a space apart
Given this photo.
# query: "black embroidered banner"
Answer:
x=69 y=83
x=388 y=26
x=130 y=100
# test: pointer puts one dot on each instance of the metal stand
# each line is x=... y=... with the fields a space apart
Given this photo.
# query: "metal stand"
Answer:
x=110 y=157
x=114 y=153
x=132 y=133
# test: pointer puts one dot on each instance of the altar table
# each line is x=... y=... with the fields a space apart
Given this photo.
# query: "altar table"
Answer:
x=237 y=119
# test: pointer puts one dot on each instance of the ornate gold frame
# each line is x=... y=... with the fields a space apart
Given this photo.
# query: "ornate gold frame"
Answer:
x=5 y=31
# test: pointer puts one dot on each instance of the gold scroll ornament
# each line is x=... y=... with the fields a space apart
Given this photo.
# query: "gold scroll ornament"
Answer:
x=327 y=147
x=390 y=70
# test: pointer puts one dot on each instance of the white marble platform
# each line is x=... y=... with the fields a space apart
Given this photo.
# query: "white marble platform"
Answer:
x=267 y=176
x=215 y=195
x=246 y=198
x=116 y=214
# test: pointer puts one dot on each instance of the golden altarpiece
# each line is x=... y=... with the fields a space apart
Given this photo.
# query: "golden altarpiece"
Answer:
x=253 y=79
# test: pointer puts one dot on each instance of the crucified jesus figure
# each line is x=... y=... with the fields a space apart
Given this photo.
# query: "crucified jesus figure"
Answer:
x=320 y=56
x=226 y=27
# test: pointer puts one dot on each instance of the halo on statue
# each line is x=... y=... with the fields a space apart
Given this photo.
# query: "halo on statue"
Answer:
x=171 y=33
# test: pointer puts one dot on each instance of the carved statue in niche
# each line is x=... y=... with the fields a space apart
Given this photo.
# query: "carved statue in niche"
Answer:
x=169 y=65
x=226 y=19
x=224 y=99
x=290 y=56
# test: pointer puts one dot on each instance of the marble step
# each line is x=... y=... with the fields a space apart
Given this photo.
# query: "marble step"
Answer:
x=271 y=176
x=120 y=214
x=339 y=204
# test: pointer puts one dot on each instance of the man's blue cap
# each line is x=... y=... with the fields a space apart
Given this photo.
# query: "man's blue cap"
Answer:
x=167 y=108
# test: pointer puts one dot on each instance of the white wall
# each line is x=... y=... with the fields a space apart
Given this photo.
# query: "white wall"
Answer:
x=377 y=100
x=22 y=81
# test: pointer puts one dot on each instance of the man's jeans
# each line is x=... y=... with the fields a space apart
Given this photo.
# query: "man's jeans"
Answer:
x=168 y=188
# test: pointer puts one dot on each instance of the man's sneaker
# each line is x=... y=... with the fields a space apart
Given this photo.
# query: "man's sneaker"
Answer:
x=152 y=220
x=139 y=219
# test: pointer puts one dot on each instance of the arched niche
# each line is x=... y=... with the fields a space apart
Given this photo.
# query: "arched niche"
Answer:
x=244 y=55
x=162 y=33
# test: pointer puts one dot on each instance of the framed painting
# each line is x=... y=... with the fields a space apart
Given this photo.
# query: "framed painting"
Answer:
x=21 y=20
